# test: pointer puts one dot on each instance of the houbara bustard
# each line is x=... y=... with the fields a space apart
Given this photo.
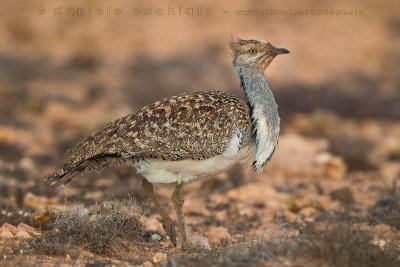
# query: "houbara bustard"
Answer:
x=189 y=136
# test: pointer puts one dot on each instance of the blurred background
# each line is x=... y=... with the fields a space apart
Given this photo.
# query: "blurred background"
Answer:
x=64 y=74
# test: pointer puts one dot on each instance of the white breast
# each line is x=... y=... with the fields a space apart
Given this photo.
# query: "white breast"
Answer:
x=267 y=140
x=165 y=171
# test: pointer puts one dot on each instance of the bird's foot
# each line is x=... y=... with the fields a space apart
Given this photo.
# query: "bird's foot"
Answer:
x=170 y=231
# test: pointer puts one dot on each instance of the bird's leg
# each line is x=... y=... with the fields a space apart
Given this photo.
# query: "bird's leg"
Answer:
x=166 y=220
x=177 y=200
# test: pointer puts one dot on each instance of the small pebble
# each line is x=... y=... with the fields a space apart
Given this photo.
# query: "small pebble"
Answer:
x=344 y=195
x=8 y=227
x=380 y=243
x=201 y=241
x=83 y=212
x=6 y=234
x=308 y=212
x=28 y=229
x=160 y=258
x=22 y=235
x=156 y=237
x=215 y=235
x=147 y=264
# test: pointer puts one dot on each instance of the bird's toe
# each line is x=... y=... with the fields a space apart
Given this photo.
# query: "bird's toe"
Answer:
x=170 y=230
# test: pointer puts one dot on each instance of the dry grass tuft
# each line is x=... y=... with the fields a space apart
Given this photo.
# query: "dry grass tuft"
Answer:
x=344 y=246
x=338 y=246
x=111 y=229
x=386 y=211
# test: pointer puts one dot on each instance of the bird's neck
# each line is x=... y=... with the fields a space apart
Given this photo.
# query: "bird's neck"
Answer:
x=264 y=114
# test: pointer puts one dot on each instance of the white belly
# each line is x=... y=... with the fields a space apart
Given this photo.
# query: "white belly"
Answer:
x=166 y=172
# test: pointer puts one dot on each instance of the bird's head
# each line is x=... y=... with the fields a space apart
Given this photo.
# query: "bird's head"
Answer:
x=254 y=54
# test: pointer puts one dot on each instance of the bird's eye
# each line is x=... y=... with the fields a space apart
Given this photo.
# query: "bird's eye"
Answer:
x=253 y=51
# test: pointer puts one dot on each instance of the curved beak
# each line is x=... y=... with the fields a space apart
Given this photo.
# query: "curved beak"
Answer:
x=280 y=51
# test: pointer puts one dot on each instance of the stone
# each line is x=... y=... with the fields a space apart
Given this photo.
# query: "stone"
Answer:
x=290 y=216
x=147 y=264
x=252 y=193
x=160 y=257
x=220 y=215
x=6 y=234
x=200 y=241
x=326 y=202
x=327 y=166
x=380 y=243
x=194 y=206
x=27 y=164
x=308 y=212
x=31 y=200
x=28 y=229
x=156 y=237
x=343 y=195
x=216 y=235
x=96 y=195
x=300 y=150
x=22 y=235
x=217 y=199
x=8 y=227
x=239 y=238
x=85 y=254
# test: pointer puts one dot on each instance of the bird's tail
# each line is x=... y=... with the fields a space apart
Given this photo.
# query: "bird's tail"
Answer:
x=66 y=174
x=92 y=154
x=62 y=176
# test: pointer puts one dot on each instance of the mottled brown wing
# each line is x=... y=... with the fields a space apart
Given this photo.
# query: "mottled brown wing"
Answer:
x=195 y=125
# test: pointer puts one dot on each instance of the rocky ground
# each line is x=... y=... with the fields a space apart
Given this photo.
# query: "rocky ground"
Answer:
x=329 y=197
